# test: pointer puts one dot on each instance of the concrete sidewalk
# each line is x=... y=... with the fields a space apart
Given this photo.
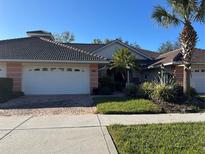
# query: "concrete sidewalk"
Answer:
x=150 y=118
x=72 y=134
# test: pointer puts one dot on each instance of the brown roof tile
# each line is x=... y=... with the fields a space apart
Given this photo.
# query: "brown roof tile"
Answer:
x=35 y=48
x=175 y=56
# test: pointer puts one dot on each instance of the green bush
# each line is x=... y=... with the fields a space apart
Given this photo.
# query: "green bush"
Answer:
x=147 y=88
x=162 y=92
x=106 y=82
x=193 y=92
x=106 y=86
x=178 y=93
x=6 y=89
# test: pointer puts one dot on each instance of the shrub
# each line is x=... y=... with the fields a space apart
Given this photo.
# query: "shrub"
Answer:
x=178 y=93
x=105 y=91
x=147 y=88
x=119 y=85
x=106 y=82
x=6 y=89
x=193 y=92
x=17 y=94
x=162 y=92
x=131 y=90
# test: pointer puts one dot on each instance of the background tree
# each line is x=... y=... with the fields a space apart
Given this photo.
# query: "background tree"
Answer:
x=183 y=12
x=97 y=41
x=65 y=37
x=106 y=41
x=168 y=46
x=124 y=61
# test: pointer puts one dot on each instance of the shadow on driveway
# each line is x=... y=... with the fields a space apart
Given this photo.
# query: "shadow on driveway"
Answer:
x=57 y=101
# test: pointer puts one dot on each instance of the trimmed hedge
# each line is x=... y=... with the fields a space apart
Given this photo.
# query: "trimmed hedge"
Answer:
x=6 y=89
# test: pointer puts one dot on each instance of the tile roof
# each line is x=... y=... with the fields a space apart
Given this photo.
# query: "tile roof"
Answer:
x=87 y=47
x=148 y=53
x=35 y=48
x=93 y=47
x=198 y=56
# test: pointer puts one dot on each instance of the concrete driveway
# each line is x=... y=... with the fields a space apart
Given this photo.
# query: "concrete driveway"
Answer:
x=48 y=105
x=54 y=134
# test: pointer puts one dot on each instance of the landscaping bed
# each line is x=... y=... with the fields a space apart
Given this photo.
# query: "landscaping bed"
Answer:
x=159 y=138
x=119 y=105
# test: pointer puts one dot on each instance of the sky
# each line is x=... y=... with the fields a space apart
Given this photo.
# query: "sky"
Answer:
x=89 y=19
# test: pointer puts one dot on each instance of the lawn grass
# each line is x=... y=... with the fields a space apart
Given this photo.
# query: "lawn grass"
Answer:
x=118 y=105
x=181 y=138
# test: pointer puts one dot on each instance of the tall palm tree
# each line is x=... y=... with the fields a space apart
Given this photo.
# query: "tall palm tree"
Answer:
x=124 y=61
x=183 y=12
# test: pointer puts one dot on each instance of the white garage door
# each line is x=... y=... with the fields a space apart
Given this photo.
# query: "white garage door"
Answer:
x=198 y=79
x=2 y=71
x=56 y=80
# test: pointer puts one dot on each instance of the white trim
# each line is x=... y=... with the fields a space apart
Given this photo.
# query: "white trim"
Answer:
x=54 y=61
x=129 y=47
x=165 y=64
x=174 y=63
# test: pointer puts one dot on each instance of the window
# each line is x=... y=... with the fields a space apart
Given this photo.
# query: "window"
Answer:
x=196 y=70
x=203 y=70
x=0 y=69
x=37 y=69
x=69 y=69
x=77 y=70
x=44 y=69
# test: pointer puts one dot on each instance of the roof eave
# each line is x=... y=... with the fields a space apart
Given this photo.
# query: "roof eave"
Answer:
x=128 y=46
x=165 y=64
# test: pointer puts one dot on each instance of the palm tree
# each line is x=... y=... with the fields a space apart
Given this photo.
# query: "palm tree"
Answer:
x=183 y=12
x=124 y=61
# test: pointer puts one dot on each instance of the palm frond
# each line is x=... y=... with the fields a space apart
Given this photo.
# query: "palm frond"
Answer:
x=164 y=18
x=122 y=59
x=186 y=9
x=200 y=16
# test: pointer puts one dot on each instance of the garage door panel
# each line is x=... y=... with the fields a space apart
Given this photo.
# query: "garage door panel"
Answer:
x=198 y=79
x=56 y=82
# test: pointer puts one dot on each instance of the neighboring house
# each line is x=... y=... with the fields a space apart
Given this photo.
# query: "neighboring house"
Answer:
x=39 y=65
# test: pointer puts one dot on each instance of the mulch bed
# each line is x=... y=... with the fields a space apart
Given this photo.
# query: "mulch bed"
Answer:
x=195 y=105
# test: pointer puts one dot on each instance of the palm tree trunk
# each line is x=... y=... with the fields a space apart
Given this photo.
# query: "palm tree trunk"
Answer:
x=128 y=78
x=186 y=81
x=188 y=39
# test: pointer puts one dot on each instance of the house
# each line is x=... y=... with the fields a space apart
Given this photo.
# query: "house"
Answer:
x=39 y=65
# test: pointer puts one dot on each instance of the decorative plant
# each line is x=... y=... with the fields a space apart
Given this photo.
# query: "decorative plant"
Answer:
x=124 y=61
x=183 y=12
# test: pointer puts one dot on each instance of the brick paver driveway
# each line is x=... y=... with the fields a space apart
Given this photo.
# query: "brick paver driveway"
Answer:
x=43 y=105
